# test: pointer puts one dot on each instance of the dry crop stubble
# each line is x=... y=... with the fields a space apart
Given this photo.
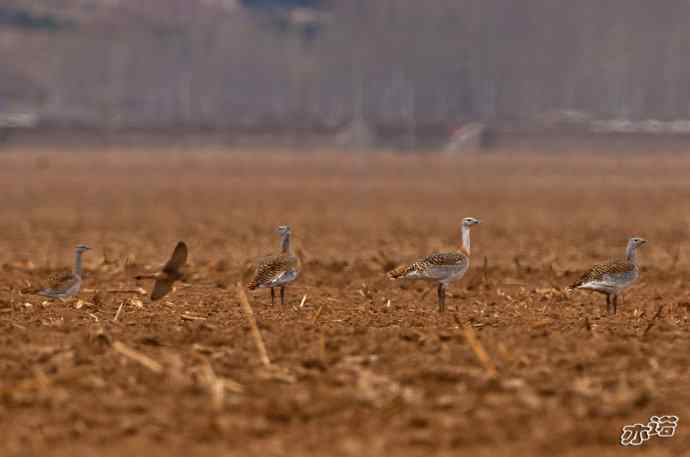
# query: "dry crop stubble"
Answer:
x=361 y=354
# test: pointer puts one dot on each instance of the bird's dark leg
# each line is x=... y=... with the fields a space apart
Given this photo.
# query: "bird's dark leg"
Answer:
x=273 y=296
x=282 y=295
x=610 y=307
x=441 y=297
x=615 y=303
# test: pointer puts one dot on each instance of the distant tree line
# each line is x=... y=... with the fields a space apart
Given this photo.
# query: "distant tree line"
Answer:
x=217 y=63
x=19 y=17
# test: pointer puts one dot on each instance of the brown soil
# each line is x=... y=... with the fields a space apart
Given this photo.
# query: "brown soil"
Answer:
x=367 y=366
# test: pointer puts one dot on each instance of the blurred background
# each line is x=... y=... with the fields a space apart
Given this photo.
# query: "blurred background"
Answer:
x=404 y=74
x=129 y=125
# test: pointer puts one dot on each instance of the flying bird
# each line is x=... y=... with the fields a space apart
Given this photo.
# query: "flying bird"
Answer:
x=612 y=278
x=277 y=270
x=171 y=272
x=66 y=284
x=441 y=267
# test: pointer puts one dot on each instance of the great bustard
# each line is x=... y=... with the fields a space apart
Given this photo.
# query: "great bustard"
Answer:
x=613 y=277
x=171 y=272
x=66 y=284
x=441 y=267
x=277 y=270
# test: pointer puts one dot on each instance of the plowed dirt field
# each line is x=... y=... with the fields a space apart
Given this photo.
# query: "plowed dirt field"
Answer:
x=362 y=366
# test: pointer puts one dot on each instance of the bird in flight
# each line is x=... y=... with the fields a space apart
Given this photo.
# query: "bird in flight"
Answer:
x=171 y=272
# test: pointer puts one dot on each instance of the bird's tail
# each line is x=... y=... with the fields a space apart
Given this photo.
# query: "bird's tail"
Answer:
x=577 y=284
x=573 y=286
x=400 y=272
x=32 y=290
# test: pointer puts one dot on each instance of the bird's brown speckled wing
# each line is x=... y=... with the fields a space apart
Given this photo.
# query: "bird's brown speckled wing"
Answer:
x=58 y=283
x=446 y=259
x=270 y=268
x=597 y=272
x=60 y=280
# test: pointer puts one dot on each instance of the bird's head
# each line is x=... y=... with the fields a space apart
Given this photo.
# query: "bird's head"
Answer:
x=470 y=221
x=636 y=241
x=82 y=248
x=284 y=230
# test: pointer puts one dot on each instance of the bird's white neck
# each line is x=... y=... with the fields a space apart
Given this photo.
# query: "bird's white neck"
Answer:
x=466 y=238
x=77 y=264
x=285 y=243
x=631 y=252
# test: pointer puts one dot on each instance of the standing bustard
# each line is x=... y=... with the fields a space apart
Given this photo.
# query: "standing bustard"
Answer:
x=171 y=272
x=66 y=284
x=277 y=270
x=613 y=277
x=442 y=267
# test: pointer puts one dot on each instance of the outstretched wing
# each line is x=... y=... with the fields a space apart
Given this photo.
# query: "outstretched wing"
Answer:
x=178 y=258
x=161 y=288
